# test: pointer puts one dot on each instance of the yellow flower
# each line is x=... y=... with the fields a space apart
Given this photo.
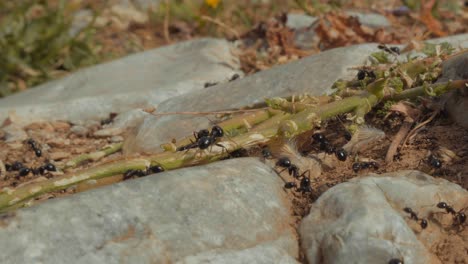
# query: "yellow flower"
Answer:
x=212 y=3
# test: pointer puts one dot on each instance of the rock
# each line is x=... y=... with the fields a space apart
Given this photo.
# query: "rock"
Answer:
x=459 y=41
x=61 y=126
x=59 y=155
x=116 y=139
x=233 y=211
x=137 y=81
x=58 y=142
x=304 y=26
x=79 y=130
x=122 y=123
x=313 y=75
x=122 y=16
x=362 y=221
x=298 y=21
x=14 y=133
x=370 y=19
x=457 y=101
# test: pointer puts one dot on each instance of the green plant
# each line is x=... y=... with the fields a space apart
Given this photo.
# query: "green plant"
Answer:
x=36 y=44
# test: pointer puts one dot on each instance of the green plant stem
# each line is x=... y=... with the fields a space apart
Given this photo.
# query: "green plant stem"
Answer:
x=12 y=198
x=438 y=89
x=261 y=134
x=94 y=156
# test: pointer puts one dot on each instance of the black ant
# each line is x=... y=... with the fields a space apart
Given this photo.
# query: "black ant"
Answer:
x=341 y=154
x=209 y=84
x=434 y=161
x=304 y=185
x=357 y=166
x=203 y=139
x=395 y=261
x=362 y=74
x=326 y=146
x=285 y=162
x=34 y=146
x=108 y=120
x=234 y=77
x=266 y=153
x=414 y=216
x=458 y=217
x=23 y=171
x=140 y=173
x=16 y=166
x=391 y=50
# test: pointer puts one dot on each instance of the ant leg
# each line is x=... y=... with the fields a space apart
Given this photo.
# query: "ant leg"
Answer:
x=223 y=147
x=304 y=174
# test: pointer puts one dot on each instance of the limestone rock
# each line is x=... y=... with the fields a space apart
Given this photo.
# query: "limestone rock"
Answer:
x=362 y=221
x=136 y=81
x=233 y=211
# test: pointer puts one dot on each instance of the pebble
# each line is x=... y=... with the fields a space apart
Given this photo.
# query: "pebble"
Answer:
x=79 y=130
x=58 y=155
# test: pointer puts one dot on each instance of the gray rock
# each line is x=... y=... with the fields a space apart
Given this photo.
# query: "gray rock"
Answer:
x=370 y=19
x=298 y=21
x=362 y=221
x=459 y=41
x=313 y=75
x=235 y=208
x=122 y=123
x=13 y=133
x=140 y=80
x=79 y=130
x=457 y=101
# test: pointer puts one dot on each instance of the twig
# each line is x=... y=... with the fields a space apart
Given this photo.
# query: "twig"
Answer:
x=419 y=126
x=227 y=112
x=392 y=150
x=221 y=24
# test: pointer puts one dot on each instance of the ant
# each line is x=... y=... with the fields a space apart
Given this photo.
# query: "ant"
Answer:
x=34 y=146
x=108 y=120
x=414 y=216
x=285 y=162
x=357 y=166
x=204 y=139
x=304 y=185
x=209 y=84
x=458 y=217
x=16 y=166
x=434 y=161
x=234 y=77
x=24 y=171
x=326 y=146
x=395 y=261
x=266 y=153
x=391 y=50
x=361 y=75
x=140 y=173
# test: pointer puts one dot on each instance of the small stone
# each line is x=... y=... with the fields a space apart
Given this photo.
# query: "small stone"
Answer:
x=116 y=139
x=58 y=142
x=39 y=126
x=61 y=126
x=79 y=130
x=59 y=155
x=14 y=133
